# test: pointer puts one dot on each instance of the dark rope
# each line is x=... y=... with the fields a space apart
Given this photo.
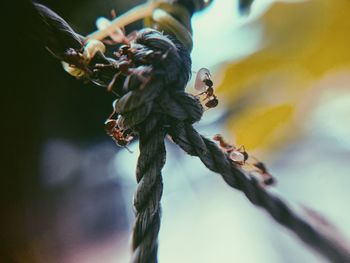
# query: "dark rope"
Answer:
x=142 y=108
x=195 y=144
x=161 y=106
x=149 y=191
x=53 y=31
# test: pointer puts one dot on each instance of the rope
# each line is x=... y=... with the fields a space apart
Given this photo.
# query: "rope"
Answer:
x=214 y=159
x=160 y=106
x=175 y=111
x=53 y=31
x=149 y=191
x=78 y=56
x=141 y=109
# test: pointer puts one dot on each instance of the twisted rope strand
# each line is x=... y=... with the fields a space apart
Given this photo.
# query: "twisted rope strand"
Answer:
x=209 y=153
x=142 y=108
x=149 y=191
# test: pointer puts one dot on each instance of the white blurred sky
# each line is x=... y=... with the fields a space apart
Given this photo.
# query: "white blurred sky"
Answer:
x=221 y=34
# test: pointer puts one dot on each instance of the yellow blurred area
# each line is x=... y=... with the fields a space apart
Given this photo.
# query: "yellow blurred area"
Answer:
x=265 y=120
x=302 y=42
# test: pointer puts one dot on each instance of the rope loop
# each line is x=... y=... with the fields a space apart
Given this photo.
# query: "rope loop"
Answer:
x=156 y=84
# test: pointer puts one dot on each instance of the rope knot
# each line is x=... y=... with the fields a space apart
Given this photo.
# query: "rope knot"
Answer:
x=154 y=82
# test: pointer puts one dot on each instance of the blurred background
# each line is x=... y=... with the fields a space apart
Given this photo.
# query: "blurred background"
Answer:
x=282 y=76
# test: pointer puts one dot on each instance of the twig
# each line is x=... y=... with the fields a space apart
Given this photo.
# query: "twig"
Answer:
x=134 y=14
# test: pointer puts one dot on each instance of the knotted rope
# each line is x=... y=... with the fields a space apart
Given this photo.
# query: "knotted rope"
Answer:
x=153 y=103
x=146 y=110
x=163 y=106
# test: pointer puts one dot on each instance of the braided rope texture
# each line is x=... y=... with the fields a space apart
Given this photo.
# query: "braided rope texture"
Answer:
x=149 y=191
x=146 y=109
x=159 y=107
